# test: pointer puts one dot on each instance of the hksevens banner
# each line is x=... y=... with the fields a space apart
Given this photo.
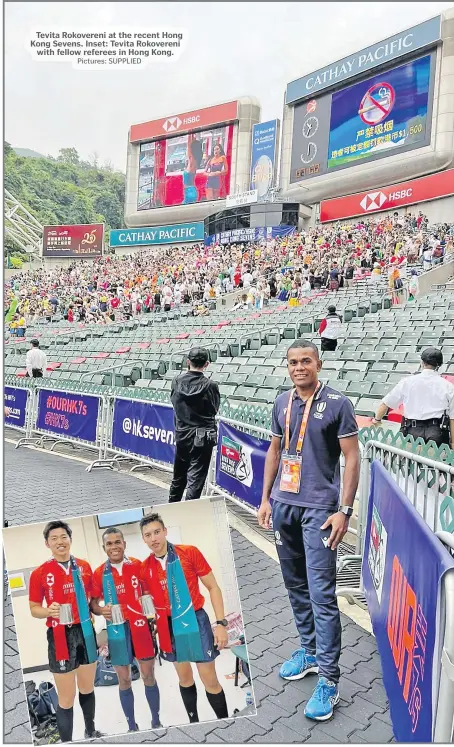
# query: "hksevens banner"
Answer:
x=68 y=415
x=403 y=564
x=143 y=429
x=240 y=462
x=16 y=401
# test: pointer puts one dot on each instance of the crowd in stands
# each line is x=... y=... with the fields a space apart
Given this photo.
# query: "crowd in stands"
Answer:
x=381 y=248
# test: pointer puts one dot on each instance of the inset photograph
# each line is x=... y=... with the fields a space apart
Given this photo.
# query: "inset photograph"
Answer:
x=128 y=621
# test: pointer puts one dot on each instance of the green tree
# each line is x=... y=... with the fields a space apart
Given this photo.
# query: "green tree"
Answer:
x=68 y=155
x=65 y=190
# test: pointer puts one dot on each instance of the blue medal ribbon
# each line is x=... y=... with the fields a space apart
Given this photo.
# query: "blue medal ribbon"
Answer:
x=188 y=644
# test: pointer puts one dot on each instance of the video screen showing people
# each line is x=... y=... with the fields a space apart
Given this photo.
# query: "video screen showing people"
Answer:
x=185 y=169
x=128 y=622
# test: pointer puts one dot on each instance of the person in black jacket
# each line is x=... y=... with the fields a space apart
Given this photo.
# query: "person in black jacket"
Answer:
x=195 y=401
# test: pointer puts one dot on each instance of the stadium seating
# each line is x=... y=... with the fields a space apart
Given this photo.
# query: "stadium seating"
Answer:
x=380 y=344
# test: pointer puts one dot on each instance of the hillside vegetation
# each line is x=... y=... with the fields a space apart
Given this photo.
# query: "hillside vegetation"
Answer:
x=65 y=190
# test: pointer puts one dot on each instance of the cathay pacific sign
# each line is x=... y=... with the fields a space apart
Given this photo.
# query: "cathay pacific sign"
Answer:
x=176 y=234
x=416 y=38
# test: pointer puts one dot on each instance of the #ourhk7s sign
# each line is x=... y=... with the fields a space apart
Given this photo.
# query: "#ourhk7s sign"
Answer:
x=388 y=198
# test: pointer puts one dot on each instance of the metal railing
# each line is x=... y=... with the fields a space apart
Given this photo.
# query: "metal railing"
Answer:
x=444 y=699
x=114 y=367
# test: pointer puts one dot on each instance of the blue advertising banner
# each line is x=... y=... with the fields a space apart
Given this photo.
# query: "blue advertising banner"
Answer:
x=16 y=401
x=68 y=415
x=264 y=157
x=157 y=235
x=240 y=462
x=147 y=430
x=249 y=234
x=403 y=564
x=391 y=110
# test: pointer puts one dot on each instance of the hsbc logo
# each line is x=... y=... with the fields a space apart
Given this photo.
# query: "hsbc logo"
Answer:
x=373 y=201
x=385 y=198
x=139 y=623
x=54 y=623
x=134 y=582
x=50 y=579
x=172 y=124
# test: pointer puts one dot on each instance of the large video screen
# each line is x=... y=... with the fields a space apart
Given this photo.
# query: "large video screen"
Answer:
x=185 y=169
x=387 y=113
x=380 y=115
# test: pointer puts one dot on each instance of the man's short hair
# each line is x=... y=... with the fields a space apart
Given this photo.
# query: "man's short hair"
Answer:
x=198 y=357
x=302 y=343
x=35 y=343
x=57 y=525
x=432 y=357
x=112 y=530
x=332 y=309
x=149 y=519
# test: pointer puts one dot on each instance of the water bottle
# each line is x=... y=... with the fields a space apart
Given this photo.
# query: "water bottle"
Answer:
x=249 y=699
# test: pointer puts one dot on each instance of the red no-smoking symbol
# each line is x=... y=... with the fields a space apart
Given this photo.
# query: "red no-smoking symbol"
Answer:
x=377 y=103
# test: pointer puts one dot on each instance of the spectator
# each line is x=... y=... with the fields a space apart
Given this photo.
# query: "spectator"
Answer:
x=330 y=329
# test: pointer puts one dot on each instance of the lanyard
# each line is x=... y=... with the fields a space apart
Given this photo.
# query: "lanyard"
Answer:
x=307 y=409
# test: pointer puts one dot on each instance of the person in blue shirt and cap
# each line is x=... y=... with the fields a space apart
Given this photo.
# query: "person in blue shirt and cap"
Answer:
x=312 y=425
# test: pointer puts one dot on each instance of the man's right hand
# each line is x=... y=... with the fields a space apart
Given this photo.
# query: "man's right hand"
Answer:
x=106 y=611
x=264 y=514
x=54 y=610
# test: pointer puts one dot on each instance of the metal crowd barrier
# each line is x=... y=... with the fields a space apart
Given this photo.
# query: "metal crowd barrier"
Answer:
x=427 y=483
x=444 y=710
x=36 y=434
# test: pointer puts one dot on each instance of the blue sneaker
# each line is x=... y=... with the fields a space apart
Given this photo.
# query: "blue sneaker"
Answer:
x=321 y=705
x=298 y=666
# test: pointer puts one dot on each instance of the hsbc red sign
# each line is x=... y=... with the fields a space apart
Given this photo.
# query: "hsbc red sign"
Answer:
x=387 y=198
x=183 y=123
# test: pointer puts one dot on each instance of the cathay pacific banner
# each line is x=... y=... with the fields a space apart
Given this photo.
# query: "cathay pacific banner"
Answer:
x=176 y=234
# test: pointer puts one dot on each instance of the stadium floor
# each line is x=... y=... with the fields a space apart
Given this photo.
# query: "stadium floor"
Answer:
x=38 y=484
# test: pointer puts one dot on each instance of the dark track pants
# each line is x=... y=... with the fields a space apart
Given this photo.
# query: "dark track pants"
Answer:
x=190 y=470
x=327 y=344
x=309 y=572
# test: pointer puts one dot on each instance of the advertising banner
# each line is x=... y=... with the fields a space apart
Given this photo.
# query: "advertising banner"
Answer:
x=388 y=198
x=143 y=429
x=249 y=234
x=265 y=138
x=84 y=241
x=402 y=589
x=418 y=37
x=16 y=401
x=157 y=235
x=240 y=462
x=186 y=122
x=389 y=112
x=186 y=169
x=386 y=114
x=68 y=415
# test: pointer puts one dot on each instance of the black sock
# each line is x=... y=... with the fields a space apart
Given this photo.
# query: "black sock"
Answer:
x=218 y=703
x=65 y=723
x=88 y=704
x=189 y=695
